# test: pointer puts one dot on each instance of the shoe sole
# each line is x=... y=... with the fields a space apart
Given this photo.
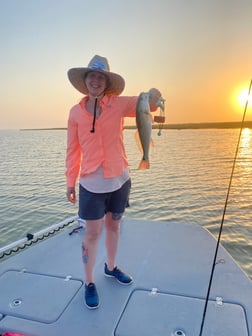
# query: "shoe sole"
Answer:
x=121 y=283
x=91 y=307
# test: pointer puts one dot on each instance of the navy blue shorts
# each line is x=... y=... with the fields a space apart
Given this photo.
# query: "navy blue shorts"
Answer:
x=94 y=206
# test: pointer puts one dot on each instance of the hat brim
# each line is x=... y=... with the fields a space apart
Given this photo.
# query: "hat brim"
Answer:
x=77 y=75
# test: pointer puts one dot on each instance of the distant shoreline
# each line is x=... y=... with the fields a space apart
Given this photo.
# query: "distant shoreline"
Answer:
x=210 y=125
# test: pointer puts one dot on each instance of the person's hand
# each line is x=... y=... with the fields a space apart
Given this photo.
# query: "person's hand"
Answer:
x=155 y=96
x=71 y=195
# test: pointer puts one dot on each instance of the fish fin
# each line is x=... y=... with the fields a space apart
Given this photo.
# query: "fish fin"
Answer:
x=144 y=164
x=138 y=141
x=150 y=116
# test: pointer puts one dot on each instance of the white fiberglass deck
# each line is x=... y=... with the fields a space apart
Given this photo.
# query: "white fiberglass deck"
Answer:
x=42 y=287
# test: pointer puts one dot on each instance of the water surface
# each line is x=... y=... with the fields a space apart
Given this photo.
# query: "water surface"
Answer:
x=187 y=182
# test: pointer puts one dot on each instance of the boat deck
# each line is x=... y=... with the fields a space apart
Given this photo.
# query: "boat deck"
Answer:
x=42 y=289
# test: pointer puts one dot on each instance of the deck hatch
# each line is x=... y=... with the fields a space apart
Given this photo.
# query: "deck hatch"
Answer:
x=149 y=313
x=36 y=297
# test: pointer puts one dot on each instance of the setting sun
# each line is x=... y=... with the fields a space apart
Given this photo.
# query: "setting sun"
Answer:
x=240 y=96
x=243 y=97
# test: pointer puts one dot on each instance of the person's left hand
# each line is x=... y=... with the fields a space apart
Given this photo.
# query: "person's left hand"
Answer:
x=155 y=96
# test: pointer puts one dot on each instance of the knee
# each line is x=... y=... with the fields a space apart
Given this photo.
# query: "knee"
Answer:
x=92 y=235
x=113 y=226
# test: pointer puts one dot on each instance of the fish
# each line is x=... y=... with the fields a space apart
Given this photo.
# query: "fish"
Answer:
x=144 y=127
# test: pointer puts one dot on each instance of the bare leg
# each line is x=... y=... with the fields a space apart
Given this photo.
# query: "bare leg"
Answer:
x=112 y=239
x=89 y=247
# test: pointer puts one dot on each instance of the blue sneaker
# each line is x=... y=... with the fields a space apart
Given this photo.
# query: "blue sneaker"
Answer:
x=121 y=277
x=91 y=296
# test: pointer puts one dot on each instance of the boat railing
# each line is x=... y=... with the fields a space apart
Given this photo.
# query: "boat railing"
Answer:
x=37 y=236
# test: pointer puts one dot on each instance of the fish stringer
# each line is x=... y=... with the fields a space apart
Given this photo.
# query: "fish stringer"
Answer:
x=160 y=119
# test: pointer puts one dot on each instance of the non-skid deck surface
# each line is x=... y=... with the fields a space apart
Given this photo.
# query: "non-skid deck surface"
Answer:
x=42 y=287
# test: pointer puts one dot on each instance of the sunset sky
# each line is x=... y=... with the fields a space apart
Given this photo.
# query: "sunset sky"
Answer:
x=197 y=52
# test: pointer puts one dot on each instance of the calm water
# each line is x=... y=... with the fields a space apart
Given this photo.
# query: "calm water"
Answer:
x=187 y=182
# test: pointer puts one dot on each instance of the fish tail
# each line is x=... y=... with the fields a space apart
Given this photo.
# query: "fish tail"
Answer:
x=144 y=164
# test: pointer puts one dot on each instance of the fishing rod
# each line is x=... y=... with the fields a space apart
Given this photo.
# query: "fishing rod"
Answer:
x=224 y=212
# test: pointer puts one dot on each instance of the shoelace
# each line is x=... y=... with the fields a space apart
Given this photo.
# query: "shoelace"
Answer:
x=91 y=289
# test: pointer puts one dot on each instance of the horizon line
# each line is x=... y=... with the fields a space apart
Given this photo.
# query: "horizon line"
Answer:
x=201 y=125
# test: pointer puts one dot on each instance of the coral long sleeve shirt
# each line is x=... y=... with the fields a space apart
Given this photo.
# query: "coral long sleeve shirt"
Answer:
x=87 y=151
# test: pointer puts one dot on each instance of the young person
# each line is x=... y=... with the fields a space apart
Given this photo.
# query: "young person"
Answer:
x=96 y=154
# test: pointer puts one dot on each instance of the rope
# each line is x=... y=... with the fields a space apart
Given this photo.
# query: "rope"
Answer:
x=161 y=118
x=38 y=237
x=223 y=215
x=160 y=127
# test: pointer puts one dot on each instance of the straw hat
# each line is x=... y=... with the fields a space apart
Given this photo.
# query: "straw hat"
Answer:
x=77 y=76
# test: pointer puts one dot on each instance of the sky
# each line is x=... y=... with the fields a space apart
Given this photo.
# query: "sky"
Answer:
x=198 y=53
